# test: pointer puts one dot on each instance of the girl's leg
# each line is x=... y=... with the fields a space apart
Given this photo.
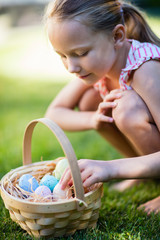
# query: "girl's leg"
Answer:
x=134 y=132
x=151 y=206
x=134 y=120
x=89 y=102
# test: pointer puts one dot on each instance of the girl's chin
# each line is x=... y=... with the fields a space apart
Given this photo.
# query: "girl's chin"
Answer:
x=90 y=79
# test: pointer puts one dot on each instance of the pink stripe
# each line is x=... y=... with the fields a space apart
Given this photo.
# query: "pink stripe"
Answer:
x=151 y=51
x=132 y=47
x=157 y=51
x=139 y=53
x=133 y=66
x=145 y=51
x=133 y=53
x=129 y=60
x=134 y=57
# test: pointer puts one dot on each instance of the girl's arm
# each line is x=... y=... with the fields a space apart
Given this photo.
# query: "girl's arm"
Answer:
x=146 y=82
x=93 y=171
x=62 y=109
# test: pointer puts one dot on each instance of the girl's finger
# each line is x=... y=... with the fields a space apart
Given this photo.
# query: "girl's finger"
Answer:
x=105 y=105
x=65 y=179
x=118 y=90
x=81 y=165
x=89 y=181
x=70 y=183
x=85 y=174
x=103 y=118
x=65 y=172
x=112 y=96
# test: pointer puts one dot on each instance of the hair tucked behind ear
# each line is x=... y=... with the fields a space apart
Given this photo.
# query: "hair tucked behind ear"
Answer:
x=136 y=26
x=104 y=15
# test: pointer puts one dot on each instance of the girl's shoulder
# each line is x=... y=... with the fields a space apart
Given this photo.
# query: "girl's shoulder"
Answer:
x=141 y=55
x=146 y=79
x=141 y=52
x=148 y=70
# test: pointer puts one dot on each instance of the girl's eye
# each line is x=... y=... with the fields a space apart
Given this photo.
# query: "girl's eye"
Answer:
x=83 y=54
x=63 y=56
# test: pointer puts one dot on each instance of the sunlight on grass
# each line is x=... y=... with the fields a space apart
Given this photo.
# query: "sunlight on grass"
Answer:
x=26 y=53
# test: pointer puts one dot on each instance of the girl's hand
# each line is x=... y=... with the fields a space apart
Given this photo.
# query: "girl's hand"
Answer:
x=103 y=108
x=92 y=171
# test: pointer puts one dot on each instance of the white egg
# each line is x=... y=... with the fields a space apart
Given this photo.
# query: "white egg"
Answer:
x=58 y=193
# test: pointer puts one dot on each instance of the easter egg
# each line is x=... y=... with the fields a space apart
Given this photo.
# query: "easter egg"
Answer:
x=60 y=168
x=43 y=191
x=28 y=183
x=58 y=193
x=49 y=181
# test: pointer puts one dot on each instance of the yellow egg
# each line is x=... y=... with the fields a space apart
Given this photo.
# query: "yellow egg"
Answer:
x=60 y=168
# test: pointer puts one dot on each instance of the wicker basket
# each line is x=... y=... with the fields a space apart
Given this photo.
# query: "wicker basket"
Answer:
x=52 y=218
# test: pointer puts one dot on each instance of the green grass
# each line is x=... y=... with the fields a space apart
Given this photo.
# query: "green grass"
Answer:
x=22 y=101
x=119 y=218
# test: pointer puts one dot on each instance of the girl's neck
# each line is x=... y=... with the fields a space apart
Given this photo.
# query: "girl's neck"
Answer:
x=120 y=63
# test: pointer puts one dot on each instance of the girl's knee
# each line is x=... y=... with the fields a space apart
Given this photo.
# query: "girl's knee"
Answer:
x=122 y=116
x=89 y=100
x=131 y=112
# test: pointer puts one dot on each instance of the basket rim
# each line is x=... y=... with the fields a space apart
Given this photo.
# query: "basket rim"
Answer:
x=48 y=203
x=86 y=195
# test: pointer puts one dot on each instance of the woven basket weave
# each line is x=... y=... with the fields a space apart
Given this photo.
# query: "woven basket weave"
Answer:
x=52 y=218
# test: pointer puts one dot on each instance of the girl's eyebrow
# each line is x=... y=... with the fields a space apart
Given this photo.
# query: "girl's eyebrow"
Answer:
x=79 y=48
x=74 y=49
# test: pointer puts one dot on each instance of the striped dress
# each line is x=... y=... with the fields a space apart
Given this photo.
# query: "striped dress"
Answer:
x=138 y=54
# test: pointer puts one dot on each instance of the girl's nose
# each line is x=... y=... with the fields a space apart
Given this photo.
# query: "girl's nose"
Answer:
x=73 y=66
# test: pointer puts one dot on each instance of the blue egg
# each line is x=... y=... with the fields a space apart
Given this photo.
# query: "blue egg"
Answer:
x=49 y=181
x=28 y=183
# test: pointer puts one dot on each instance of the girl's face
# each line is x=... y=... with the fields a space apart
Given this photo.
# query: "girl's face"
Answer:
x=90 y=56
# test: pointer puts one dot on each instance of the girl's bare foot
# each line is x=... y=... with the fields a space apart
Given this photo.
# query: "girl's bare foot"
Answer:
x=122 y=186
x=151 y=206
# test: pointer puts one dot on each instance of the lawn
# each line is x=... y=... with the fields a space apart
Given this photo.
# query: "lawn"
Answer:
x=24 y=98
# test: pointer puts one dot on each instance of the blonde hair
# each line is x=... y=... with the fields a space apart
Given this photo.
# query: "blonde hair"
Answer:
x=104 y=15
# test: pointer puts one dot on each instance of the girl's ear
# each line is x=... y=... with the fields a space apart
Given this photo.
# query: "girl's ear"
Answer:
x=119 y=35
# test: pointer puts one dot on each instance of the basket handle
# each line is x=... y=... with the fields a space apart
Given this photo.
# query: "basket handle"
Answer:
x=67 y=148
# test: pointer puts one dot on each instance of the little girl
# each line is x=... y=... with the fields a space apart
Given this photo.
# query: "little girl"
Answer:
x=115 y=56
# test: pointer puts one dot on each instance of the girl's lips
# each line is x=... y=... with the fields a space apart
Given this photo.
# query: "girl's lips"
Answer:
x=85 y=76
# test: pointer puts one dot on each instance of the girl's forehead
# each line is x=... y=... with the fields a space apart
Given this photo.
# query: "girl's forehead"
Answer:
x=70 y=26
x=70 y=32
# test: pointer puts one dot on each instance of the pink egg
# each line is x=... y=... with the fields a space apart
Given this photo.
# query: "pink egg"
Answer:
x=43 y=191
